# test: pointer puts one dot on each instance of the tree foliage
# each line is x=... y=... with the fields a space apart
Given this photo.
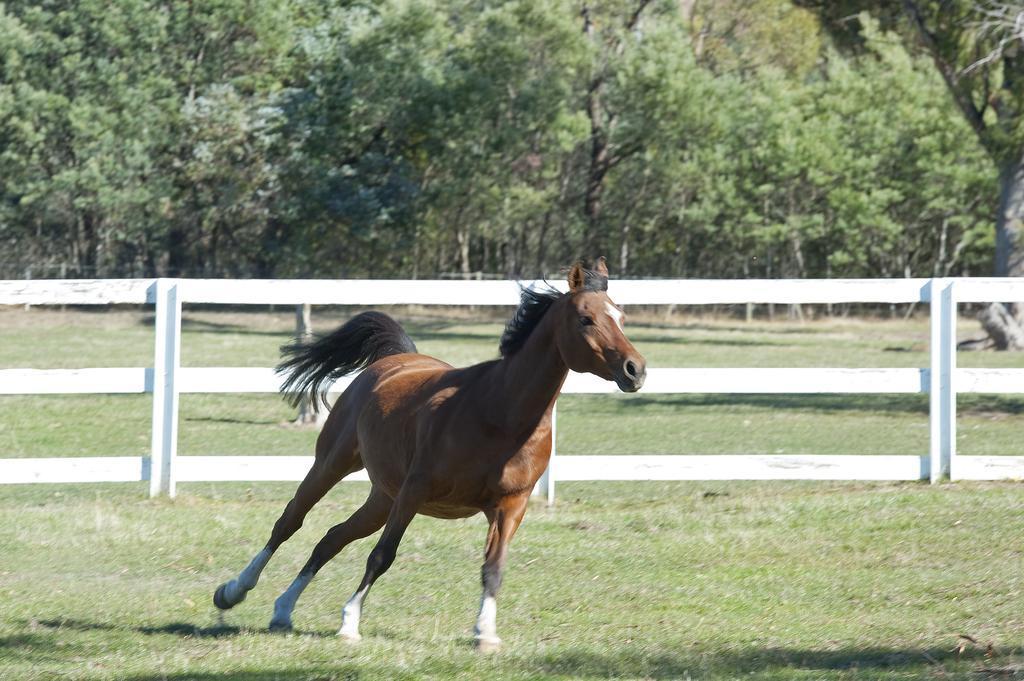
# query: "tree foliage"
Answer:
x=425 y=137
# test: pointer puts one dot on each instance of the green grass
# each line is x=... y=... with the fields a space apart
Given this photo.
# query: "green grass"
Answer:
x=619 y=580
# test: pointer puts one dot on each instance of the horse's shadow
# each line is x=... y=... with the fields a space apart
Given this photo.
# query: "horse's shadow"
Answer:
x=641 y=663
x=180 y=629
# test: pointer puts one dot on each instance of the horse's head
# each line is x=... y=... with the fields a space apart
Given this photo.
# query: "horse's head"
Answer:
x=590 y=333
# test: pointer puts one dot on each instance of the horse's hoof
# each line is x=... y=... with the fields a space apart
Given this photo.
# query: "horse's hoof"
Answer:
x=220 y=600
x=349 y=636
x=488 y=644
x=280 y=626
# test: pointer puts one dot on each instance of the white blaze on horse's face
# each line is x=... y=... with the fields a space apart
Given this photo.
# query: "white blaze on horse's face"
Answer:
x=615 y=313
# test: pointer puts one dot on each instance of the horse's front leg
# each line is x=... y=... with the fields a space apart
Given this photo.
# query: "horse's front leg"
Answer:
x=414 y=493
x=504 y=520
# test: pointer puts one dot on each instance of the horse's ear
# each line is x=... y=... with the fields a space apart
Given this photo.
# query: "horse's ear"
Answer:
x=602 y=267
x=577 y=277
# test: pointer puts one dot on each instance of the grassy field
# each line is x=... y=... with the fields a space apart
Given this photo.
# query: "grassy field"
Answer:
x=618 y=580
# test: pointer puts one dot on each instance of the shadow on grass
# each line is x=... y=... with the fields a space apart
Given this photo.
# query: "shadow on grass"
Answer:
x=907 y=663
x=824 y=402
x=206 y=326
x=339 y=671
x=761 y=326
x=670 y=665
x=564 y=661
x=180 y=629
x=911 y=404
x=442 y=327
x=640 y=338
x=450 y=337
x=33 y=648
x=247 y=422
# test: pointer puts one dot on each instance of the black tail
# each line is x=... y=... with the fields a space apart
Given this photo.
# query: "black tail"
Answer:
x=359 y=342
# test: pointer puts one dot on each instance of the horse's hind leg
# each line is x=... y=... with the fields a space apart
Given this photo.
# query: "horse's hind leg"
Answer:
x=367 y=519
x=322 y=476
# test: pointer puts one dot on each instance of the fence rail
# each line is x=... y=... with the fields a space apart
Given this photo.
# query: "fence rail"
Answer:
x=167 y=380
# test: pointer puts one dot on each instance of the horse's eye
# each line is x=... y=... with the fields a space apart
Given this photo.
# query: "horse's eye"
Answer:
x=586 y=321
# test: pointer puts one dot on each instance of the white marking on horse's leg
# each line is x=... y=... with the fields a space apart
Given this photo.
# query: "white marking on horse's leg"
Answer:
x=615 y=313
x=350 y=615
x=486 y=629
x=235 y=590
x=285 y=603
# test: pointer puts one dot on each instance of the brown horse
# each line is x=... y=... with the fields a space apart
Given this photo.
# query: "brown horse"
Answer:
x=441 y=441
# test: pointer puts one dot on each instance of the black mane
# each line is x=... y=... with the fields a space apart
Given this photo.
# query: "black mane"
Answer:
x=532 y=307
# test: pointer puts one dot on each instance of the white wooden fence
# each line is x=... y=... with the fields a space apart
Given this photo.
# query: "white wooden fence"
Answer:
x=168 y=379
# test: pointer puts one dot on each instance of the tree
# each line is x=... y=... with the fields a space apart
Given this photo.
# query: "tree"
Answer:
x=989 y=89
x=979 y=52
x=85 y=112
x=427 y=137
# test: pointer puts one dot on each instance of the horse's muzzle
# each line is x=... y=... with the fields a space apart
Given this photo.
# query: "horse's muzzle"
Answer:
x=631 y=375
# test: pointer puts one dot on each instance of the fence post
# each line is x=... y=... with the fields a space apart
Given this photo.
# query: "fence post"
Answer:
x=166 y=360
x=546 y=485
x=942 y=397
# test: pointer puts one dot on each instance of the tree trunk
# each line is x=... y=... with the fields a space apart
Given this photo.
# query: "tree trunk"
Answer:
x=542 y=245
x=176 y=251
x=1006 y=332
x=1004 y=322
x=624 y=250
x=1010 y=220
x=416 y=251
x=309 y=413
x=599 y=165
x=462 y=237
x=600 y=159
x=89 y=261
x=688 y=10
